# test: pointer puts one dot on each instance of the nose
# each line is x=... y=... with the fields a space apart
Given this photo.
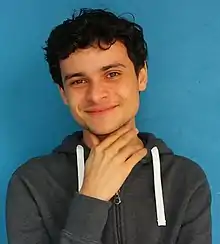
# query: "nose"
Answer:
x=96 y=92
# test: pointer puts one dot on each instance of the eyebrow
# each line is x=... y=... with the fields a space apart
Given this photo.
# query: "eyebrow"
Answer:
x=104 y=68
x=110 y=66
x=69 y=76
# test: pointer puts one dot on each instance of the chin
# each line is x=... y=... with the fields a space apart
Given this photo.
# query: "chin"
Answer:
x=105 y=130
x=102 y=131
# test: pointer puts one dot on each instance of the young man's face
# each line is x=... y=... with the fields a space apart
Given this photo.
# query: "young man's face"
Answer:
x=102 y=88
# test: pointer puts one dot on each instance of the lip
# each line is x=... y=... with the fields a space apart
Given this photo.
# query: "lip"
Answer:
x=101 y=110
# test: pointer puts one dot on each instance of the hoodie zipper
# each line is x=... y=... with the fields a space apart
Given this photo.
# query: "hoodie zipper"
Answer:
x=117 y=201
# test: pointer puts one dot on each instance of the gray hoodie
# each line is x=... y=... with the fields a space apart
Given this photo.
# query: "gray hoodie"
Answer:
x=165 y=199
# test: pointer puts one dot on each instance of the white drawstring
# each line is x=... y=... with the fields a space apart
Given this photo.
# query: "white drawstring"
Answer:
x=158 y=188
x=157 y=180
x=80 y=165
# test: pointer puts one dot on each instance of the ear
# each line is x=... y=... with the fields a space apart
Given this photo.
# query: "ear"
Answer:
x=63 y=95
x=142 y=78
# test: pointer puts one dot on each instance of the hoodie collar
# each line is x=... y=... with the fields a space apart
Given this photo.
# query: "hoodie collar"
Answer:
x=70 y=143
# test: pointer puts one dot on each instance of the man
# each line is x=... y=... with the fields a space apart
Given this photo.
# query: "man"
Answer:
x=107 y=183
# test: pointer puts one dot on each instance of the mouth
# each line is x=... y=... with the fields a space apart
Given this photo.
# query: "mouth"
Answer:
x=101 y=111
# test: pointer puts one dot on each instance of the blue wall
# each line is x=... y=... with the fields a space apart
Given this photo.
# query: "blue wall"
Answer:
x=182 y=104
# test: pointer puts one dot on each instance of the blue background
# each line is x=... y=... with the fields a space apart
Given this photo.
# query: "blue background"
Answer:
x=181 y=105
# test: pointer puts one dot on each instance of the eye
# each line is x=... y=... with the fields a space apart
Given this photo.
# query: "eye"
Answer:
x=113 y=74
x=77 y=82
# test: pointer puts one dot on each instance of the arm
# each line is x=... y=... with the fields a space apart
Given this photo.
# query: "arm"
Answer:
x=85 y=222
x=196 y=228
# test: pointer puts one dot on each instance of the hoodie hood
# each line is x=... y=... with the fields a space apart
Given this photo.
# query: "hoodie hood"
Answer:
x=70 y=143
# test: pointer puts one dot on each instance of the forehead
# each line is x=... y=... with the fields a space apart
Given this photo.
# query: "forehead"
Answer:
x=92 y=58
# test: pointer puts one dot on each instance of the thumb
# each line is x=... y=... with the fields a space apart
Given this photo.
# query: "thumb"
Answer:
x=92 y=139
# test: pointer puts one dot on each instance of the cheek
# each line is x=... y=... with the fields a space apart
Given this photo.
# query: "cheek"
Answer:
x=75 y=100
x=75 y=107
x=129 y=90
x=131 y=96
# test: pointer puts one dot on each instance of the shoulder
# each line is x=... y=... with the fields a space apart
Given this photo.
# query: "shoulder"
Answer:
x=39 y=164
x=189 y=167
x=186 y=173
x=43 y=169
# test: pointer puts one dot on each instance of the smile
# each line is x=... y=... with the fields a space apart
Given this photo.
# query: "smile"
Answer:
x=101 y=111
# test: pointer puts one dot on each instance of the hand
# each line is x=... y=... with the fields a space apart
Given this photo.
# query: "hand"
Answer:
x=110 y=162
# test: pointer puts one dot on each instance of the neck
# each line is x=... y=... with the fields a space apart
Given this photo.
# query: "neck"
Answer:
x=92 y=139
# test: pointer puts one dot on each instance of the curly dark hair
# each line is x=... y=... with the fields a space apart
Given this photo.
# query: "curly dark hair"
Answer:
x=89 y=27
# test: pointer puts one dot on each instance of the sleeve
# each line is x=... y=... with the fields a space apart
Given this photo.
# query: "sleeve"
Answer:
x=196 y=228
x=85 y=222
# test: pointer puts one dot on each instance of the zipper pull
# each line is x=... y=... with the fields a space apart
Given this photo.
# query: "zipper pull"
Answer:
x=117 y=199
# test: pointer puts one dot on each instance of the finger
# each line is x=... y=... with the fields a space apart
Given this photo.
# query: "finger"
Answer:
x=113 y=137
x=121 y=142
x=135 y=158
x=126 y=152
